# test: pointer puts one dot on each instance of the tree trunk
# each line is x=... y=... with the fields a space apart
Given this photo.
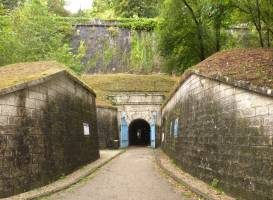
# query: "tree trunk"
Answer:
x=218 y=34
x=258 y=24
x=261 y=37
x=201 y=42
x=199 y=30
x=268 y=38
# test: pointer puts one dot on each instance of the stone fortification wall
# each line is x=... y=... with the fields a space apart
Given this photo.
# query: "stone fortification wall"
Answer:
x=221 y=134
x=42 y=133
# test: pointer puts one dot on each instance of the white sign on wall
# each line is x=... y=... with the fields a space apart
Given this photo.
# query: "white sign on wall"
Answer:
x=86 y=129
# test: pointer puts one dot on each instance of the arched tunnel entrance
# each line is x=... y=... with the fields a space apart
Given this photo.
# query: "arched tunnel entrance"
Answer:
x=139 y=133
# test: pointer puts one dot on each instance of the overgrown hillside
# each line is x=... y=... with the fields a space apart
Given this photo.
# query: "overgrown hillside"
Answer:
x=110 y=83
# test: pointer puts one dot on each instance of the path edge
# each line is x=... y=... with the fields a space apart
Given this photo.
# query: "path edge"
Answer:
x=36 y=193
x=181 y=181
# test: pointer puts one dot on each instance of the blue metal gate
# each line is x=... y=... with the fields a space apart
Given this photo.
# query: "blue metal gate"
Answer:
x=124 y=139
x=153 y=129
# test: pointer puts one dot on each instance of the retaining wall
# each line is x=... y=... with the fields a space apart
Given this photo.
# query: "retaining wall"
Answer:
x=113 y=49
x=221 y=134
x=42 y=135
x=107 y=126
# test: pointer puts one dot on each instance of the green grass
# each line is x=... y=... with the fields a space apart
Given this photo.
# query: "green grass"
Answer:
x=15 y=74
x=104 y=85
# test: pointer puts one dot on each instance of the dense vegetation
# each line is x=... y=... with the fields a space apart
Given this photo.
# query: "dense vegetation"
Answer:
x=126 y=8
x=191 y=30
x=32 y=32
x=188 y=31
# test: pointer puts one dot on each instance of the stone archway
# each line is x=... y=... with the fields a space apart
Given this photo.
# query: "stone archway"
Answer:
x=139 y=133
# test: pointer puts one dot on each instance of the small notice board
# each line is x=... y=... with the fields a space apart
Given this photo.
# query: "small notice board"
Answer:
x=86 y=129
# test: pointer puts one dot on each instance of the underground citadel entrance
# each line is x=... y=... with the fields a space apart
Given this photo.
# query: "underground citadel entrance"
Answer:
x=139 y=133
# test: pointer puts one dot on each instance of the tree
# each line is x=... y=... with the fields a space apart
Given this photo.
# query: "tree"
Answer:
x=267 y=18
x=178 y=45
x=219 y=11
x=136 y=8
x=252 y=11
x=57 y=7
x=126 y=8
x=185 y=35
x=259 y=13
x=33 y=33
x=103 y=9
x=196 y=15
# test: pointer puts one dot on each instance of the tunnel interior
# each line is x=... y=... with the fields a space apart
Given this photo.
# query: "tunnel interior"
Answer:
x=139 y=133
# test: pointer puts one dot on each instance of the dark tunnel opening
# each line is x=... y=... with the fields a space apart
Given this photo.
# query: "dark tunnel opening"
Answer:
x=139 y=133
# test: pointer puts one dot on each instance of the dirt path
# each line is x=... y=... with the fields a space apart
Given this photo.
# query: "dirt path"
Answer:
x=131 y=176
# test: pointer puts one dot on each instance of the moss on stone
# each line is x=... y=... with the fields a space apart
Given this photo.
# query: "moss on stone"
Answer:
x=21 y=73
x=251 y=65
x=15 y=74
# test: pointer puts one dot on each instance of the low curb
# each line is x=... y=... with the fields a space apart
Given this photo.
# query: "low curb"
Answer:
x=36 y=193
x=182 y=182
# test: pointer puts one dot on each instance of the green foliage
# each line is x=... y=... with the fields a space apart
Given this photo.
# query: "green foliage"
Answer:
x=108 y=52
x=257 y=14
x=139 y=56
x=57 y=7
x=143 y=52
x=215 y=183
x=137 y=23
x=103 y=9
x=126 y=8
x=105 y=55
x=136 y=8
x=191 y=30
x=33 y=33
x=179 y=43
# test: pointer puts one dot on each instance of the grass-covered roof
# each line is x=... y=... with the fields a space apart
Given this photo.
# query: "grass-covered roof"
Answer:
x=251 y=65
x=107 y=84
x=11 y=76
x=19 y=73
x=254 y=67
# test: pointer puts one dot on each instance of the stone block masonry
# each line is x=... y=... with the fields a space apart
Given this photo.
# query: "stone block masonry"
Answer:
x=221 y=134
x=108 y=130
x=42 y=133
x=114 y=49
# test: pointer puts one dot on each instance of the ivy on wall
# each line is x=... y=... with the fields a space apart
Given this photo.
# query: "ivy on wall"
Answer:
x=143 y=51
x=118 y=49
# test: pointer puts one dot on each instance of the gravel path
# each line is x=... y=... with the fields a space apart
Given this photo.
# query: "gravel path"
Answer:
x=131 y=176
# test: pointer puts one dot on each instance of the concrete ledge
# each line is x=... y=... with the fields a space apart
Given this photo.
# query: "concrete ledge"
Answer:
x=193 y=184
x=66 y=182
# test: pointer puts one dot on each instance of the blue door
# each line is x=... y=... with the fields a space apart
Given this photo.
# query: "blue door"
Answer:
x=123 y=132
x=153 y=129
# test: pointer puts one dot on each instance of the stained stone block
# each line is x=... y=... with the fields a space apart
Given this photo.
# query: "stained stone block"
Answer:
x=227 y=136
x=39 y=128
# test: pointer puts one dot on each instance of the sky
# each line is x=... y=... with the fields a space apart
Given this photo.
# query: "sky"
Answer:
x=75 y=5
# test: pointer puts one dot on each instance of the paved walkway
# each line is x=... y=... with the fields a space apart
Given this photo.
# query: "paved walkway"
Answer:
x=131 y=176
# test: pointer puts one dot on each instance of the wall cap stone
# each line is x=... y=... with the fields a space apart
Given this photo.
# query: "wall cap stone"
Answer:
x=265 y=91
x=107 y=107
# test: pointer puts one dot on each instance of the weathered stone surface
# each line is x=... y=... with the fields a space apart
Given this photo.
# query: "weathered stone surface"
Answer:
x=107 y=126
x=138 y=105
x=41 y=134
x=223 y=135
x=110 y=49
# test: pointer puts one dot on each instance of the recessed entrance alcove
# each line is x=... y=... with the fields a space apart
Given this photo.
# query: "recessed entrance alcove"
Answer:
x=139 y=133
